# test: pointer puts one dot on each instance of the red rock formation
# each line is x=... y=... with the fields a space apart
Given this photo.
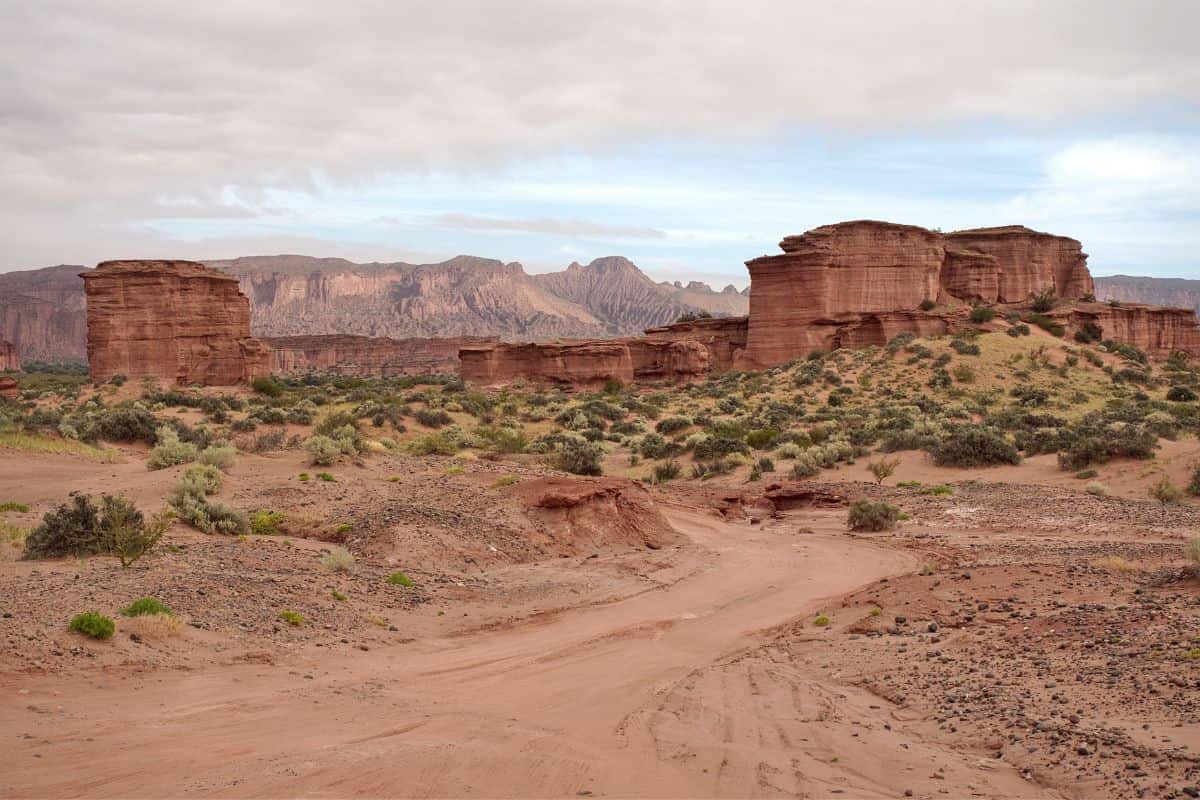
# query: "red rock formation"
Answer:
x=1030 y=262
x=1155 y=330
x=43 y=313
x=725 y=337
x=567 y=364
x=8 y=387
x=365 y=356
x=175 y=320
x=10 y=361
x=970 y=276
x=597 y=512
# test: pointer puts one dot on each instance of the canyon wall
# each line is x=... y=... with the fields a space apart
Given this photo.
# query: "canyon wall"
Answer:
x=174 y=320
x=365 y=356
x=10 y=359
x=1156 y=330
x=1029 y=262
x=43 y=313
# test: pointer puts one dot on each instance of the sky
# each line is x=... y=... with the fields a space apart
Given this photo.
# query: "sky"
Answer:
x=687 y=136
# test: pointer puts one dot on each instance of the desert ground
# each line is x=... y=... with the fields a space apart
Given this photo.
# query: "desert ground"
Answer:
x=702 y=618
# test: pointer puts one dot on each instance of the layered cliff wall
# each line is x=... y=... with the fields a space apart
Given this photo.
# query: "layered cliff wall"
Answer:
x=1156 y=330
x=859 y=283
x=43 y=313
x=10 y=360
x=366 y=356
x=174 y=320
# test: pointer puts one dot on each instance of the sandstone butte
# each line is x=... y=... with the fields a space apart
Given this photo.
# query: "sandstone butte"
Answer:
x=9 y=360
x=368 y=356
x=851 y=284
x=178 y=321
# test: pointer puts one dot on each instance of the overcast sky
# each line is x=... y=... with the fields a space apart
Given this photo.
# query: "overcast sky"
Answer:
x=689 y=136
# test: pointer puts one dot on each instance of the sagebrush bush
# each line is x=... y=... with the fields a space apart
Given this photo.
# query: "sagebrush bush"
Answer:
x=867 y=515
x=322 y=450
x=974 y=446
x=982 y=314
x=189 y=500
x=82 y=528
x=170 y=451
x=223 y=457
x=93 y=624
x=266 y=522
x=579 y=457
x=1193 y=487
x=337 y=560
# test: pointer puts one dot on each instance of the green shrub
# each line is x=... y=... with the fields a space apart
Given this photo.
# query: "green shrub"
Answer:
x=322 y=450
x=940 y=490
x=579 y=457
x=1180 y=394
x=672 y=425
x=1048 y=324
x=654 y=446
x=762 y=439
x=170 y=451
x=1043 y=302
x=223 y=457
x=502 y=439
x=93 y=624
x=144 y=606
x=124 y=424
x=266 y=387
x=325 y=476
x=1020 y=329
x=204 y=479
x=1165 y=491
x=10 y=505
x=189 y=501
x=665 y=472
x=974 y=446
x=294 y=618
x=866 y=515
x=443 y=443
x=982 y=314
x=883 y=468
x=965 y=348
x=432 y=418
x=265 y=522
x=126 y=533
x=927 y=305
x=72 y=529
x=506 y=480
x=820 y=621
x=400 y=579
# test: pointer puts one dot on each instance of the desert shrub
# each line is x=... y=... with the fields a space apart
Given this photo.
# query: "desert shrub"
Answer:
x=1020 y=329
x=170 y=451
x=267 y=387
x=123 y=424
x=1089 y=332
x=579 y=457
x=223 y=457
x=11 y=505
x=188 y=499
x=1165 y=491
x=338 y=559
x=974 y=446
x=762 y=438
x=883 y=468
x=72 y=529
x=654 y=446
x=265 y=522
x=204 y=479
x=717 y=446
x=908 y=440
x=927 y=305
x=1043 y=302
x=432 y=418
x=821 y=621
x=867 y=515
x=445 y=442
x=964 y=348
x=982 y=314
x=294 y=618
x=964 y=374
x=144 y=606
x=1192 y=551
x=1180 y=394
x=765 y=464
x=1096 y=488
x=668 y=471
x=502 y=439
x=672 y=425
x=806 y=466
x=93 y=624
x=1048 y=324
x=940 y=490
x=322 y=450
x=506 y=480
x=125 y=532
x=400 y=579
x=1193 y=487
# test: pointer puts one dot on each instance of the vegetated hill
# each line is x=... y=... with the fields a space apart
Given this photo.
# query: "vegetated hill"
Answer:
x=43 y=313
x=1177 y=292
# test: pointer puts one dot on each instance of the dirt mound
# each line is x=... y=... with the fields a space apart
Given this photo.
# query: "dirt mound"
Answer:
x=581 y=513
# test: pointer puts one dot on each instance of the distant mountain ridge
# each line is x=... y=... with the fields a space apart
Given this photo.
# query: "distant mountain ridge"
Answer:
x=43 y=311
x=1174 y=292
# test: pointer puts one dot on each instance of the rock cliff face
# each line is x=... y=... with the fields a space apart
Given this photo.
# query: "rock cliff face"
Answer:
x=1170 y=292
x=365 y=356
x=724 y=337
x=43 y=314
x=10 y=360
x=1029 y=262
x=1158 y=331
x=616 y=292
x=174 y=320
x=859 y=283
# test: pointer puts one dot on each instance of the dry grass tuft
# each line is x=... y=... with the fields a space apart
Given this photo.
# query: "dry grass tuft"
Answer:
x=154 y=626
x=1116 y=564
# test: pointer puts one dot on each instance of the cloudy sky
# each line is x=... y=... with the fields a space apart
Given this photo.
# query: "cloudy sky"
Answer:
x=689 y=136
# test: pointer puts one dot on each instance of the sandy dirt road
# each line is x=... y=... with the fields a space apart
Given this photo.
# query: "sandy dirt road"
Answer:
x=676 y=692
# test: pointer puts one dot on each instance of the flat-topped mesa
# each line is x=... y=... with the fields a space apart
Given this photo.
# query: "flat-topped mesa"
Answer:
x=178 y=321
x=1029 y=262
x=368 y=356
x=1156 y=330
x=858 y=283
x=10 y=361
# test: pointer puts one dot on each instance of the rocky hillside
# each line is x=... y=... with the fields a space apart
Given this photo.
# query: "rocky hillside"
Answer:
x=1176 y=292
x=42 y=312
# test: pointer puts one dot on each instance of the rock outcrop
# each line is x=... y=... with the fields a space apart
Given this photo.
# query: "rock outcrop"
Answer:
x=10 y=360
x=8 y=387
x=367 y=356
x=1156 y=330
x=174 y=320
x=859 y=283
x=681 y=352
x=43 y=313
x=590 y=513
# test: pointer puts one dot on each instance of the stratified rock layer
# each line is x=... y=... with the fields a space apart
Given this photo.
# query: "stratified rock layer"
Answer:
x=367 y=356
x=10 y=361
x=1156 y=330
x=175 y=320
x=43 y=313
x=859 y=283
